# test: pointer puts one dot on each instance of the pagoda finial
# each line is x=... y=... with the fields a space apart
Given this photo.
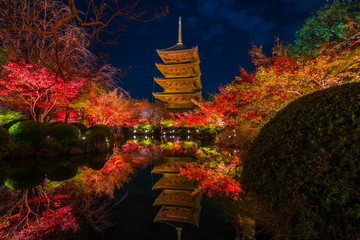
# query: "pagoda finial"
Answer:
x=180 y=38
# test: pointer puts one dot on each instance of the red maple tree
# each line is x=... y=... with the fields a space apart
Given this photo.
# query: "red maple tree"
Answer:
x=36 y=90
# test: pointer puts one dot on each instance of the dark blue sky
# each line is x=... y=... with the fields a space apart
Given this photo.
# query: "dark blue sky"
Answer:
x=224 y=31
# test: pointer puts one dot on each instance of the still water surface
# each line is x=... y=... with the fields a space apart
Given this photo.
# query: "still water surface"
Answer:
x=132 y=179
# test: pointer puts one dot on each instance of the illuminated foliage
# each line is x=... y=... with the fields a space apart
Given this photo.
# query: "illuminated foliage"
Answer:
x=243 y=106
x=8 y=115
x=41 y=216
x=35 y=89
x=50 y=225
x=130 y=147
x=150 y=113
x=215 y=172
x=334 y=25
x=115 y=173
x=177 y=147
x=98 y=106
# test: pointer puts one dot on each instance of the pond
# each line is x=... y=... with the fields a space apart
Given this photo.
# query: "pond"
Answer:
x=133 y=193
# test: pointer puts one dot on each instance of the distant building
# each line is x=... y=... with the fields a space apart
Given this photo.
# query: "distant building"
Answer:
x=181 y=81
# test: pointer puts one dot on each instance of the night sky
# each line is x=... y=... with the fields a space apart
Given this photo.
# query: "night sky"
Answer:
x=223 y=30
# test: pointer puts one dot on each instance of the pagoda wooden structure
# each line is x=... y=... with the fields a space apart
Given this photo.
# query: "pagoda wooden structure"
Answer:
x=181 y=76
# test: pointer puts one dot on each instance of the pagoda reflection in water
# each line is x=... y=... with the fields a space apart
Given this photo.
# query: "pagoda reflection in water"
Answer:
x=178 y=205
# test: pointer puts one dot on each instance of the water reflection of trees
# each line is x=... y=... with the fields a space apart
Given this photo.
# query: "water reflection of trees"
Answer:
x=35 y=213
x=81 y=197
x=85 y=193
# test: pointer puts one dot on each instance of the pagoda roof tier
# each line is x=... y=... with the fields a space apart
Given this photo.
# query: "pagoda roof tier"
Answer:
x=178 y=198
x=179 y=54
x=179 y=84
x=178 y=100
x=182 y=70
x=174 y=181
x=170 y=167
x=178 y=214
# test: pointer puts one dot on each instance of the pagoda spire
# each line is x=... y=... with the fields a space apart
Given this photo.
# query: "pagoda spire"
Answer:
x=180 y=37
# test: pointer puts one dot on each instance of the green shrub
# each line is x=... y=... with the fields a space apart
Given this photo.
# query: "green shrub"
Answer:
x=4 y=139
x=22 y=149
x=9 y=124
x=51 y=145
x=50 y=125
x=103 y=129
x=28 y=131
x=80 y=126
x=304 y=166
x=63 y=132
x=78 y=143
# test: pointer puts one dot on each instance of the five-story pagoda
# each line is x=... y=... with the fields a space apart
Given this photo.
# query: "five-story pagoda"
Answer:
x=181 y=81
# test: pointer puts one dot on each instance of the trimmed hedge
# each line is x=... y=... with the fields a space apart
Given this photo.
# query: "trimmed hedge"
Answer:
x=304 y=166
x=50 y=125
x=28 y=131
x=64 y=132
x=103 y=129
x=4 y=139
x=77 y=143
x=51 y=145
